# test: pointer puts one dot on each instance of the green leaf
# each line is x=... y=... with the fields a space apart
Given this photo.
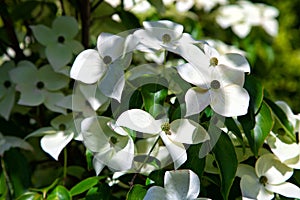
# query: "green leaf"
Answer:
x=3 y=186
x=193 y=162
x=76 y=171
x=282 y=120
x=60 y=192
x=158 y=177
x=256 y=92
x=103 y=192
x=263 y=126
x=232 y=126
x=137 y=192
x=30 y=196
x=227 y=162
x=154 y=96
x=129 y=19
x=85 y=185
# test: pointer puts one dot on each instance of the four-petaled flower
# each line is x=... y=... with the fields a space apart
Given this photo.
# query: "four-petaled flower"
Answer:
x=268 y=177
x=39 y=86
x=173 y=134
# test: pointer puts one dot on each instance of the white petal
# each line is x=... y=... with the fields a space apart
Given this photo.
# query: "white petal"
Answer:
x=155 y=192
x=182 y=184
x=98 y=165
x=139 y=120
x=193 y=75
x=164 y=24
x=235 y=61
x=241 y=30
x=285 y=189
x=30 y=96
x=113 y=82
x=53 y=144
x=251 y=188
x=110 y=45
x=227 y=75
x=51 y=101
x=275 y=171
x=187 y=131
x=196 y=100
x=244 y=169
x=176 y=150
x=88 y=67
x=271 y=27
x=232 y=100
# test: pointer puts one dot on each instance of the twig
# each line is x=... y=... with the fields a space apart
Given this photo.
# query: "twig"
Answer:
x=85 y=21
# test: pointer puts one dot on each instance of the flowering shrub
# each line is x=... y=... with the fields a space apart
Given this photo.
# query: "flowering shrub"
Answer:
x=140 y=109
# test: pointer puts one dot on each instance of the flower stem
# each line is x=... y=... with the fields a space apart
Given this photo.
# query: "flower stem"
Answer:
x=65 y=165
x=8 y=182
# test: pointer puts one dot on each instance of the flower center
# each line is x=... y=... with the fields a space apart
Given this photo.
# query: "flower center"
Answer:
x=263 y=180
x=213 y=61
x=40 y=85
x=62 y=127
x=7 y=84
x=113 y=140
x=107 y=60
x=61 y=39
x=166 y=128
x=215 y=84
x=166 y=38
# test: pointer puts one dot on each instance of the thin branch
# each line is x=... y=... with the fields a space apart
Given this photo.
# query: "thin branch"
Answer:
x=85 y=22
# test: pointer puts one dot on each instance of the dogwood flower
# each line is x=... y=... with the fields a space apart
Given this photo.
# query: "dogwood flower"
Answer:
x=178 y=185
x=112 y=146
x=58 y=136
x=268 y=177
x=221 y=88
x=106 y=64
x=173 y=134
x=39 y=86
x=158 y=35
x=59 y=41
x=7 y=90
x=209 y=5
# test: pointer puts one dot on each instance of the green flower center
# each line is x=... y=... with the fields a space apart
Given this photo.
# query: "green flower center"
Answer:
x=215 y=84
x=40 y=85
x=166 y=128
x=213 y=61
x=263 y=180
x=62 y=127
x=166 y=38
x=61 y=39
x=107 y=60
x=7 y=84
x=113 y=140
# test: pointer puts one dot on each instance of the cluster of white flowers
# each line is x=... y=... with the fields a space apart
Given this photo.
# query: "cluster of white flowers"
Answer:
x=217 y=81
x=244 y=14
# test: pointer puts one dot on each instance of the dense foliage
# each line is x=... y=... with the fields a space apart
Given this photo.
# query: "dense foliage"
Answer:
x=149 y=99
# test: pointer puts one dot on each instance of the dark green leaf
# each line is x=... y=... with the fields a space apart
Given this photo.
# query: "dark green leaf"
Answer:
x=129 y=20
x=137 y=192
x=158 y=4
x=60 y=192
x=84 y=185
x=193 y=162
x=263 y=126
x=101 y=192
x=227 y=162
x=158 y=177
x=76 y=171
x=232 y=126
x=281 y=119
x=154 y=96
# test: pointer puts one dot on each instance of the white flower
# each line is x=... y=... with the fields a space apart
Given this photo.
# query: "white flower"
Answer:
x=39 y=86
x=268 y=177
x=56 y=137
x=159 y=35
x=219 y=86
x=243 y=15
x=289 y=154
x=178 y=185
x=173 y=134
x=7 y=90
x=112 y=146
x=106 y=64
x=184 y=5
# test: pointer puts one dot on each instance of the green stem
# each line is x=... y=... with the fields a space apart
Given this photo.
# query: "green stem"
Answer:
x=65 y=165
x=7 y=179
